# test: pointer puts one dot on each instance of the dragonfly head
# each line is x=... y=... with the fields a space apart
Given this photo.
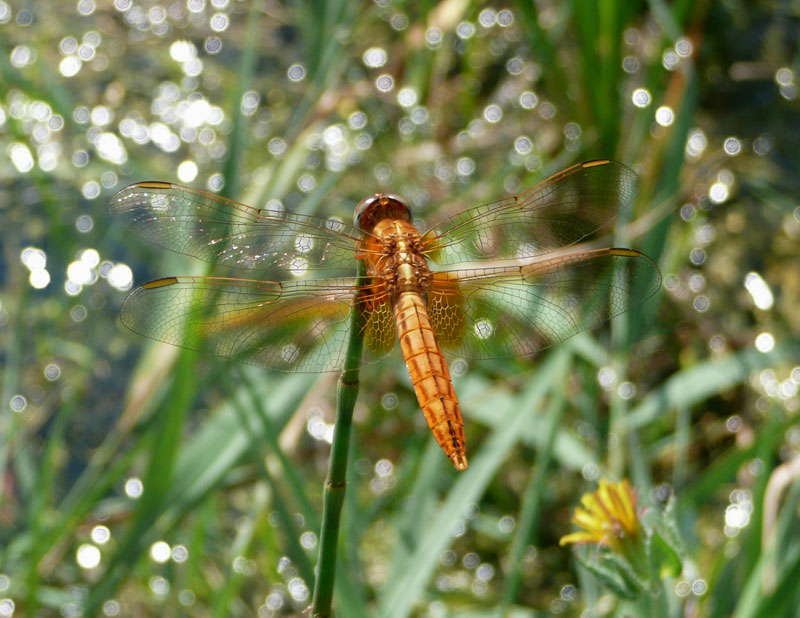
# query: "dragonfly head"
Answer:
x=380 y=206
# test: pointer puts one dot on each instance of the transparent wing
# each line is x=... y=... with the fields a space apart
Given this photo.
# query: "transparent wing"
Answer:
x=295 y=326
x=556 y=213
x=229 y=233
x=506 y=311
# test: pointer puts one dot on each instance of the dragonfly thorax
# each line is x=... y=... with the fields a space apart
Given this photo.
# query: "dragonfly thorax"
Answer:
x=401 y=263
x=375 y=208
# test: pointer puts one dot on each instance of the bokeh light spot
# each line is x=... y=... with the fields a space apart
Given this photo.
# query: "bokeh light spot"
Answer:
x=160 y=552
x=492 y=113
x=134 y=487
x=187 y=171
x=296 y=72
x=384 y=82
x=641 y=97
x=88 y=556
x=759 y=290
x=765 y=342
x=732 y=146
x=100 y=535
x=665 y=116
x=374 y=57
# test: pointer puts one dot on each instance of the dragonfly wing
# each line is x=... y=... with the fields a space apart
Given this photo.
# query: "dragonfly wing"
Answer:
x=506 y=311
x=294 y=326
x=556 y=213
x=221 y=231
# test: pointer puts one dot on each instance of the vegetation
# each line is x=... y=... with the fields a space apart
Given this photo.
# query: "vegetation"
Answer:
x=138 y=479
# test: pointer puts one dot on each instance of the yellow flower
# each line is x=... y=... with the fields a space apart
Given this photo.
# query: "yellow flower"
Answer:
x=608 y=517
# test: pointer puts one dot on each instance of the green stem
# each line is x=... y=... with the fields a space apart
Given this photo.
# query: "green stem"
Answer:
x=335 y=484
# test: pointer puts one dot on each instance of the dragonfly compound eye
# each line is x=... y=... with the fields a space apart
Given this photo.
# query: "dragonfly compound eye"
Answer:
x=380 y=206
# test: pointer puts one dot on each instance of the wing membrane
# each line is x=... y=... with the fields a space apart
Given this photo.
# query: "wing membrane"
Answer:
x=554 y=214
x=294 y=326
x=229 y=233
x=506 y=311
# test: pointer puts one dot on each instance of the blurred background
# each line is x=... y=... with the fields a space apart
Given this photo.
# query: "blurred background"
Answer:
x=138 y=479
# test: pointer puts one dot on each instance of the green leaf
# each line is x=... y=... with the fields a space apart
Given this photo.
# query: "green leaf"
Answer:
x=610 y=577
x=665 y=557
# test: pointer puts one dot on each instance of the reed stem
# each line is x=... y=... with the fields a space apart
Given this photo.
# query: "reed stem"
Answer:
x=336 y=483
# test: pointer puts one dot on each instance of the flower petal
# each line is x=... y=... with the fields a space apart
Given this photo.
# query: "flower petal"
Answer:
x=621 y=511
x=587 y=520
x=578 y=537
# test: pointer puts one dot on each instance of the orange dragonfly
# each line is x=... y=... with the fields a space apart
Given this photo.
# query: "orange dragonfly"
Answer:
x=498 y=280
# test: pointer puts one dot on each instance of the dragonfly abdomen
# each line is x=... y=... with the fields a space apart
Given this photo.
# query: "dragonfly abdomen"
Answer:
x=430 y=375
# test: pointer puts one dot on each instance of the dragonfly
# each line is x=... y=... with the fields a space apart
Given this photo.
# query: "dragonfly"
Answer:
x=504 y=279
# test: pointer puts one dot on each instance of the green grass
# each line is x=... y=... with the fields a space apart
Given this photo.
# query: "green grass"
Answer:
x=230 y=471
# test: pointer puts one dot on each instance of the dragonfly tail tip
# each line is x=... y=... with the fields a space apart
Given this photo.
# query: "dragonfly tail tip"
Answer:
x=459 y=461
